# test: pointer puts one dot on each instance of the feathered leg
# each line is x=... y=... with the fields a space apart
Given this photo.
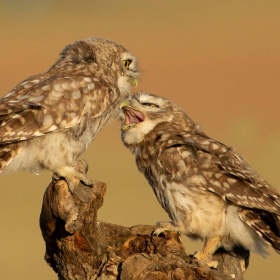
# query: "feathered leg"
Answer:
x=209 y=248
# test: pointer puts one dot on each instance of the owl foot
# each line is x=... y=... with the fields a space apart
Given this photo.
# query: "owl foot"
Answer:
x=201 y=257
x=77 y=171
x=168 y=226
x=209 y=248
x=80 y=176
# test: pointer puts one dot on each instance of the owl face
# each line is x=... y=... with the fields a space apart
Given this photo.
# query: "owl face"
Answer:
x=128 y=73
x=141 y=113
x=104 y=58
x=114 y=57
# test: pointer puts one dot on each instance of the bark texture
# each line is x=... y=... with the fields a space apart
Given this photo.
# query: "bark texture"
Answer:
x=80 y=247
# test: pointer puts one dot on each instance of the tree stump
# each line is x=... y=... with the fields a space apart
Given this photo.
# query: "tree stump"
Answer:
x=80 y=247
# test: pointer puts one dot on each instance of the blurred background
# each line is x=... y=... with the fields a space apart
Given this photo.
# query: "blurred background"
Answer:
x=219 y=60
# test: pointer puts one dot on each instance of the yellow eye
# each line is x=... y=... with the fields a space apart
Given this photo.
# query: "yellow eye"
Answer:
x=126 y=63
x=150 y=105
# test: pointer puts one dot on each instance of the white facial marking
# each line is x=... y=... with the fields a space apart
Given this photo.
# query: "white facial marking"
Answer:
x=137 y=133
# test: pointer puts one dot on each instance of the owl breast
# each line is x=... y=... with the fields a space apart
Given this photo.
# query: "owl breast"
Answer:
x=201 y=213
x=57 y=149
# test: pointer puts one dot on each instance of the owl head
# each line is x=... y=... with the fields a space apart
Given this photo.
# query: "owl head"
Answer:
x=103 y=57
x=143 y=113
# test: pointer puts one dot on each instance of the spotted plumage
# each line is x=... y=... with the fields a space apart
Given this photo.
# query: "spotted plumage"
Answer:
x=48 y=120
x=208 y=190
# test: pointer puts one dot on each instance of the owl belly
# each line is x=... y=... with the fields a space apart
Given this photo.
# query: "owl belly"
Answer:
x=204 y=215
x=50 y=152
x=200 y=212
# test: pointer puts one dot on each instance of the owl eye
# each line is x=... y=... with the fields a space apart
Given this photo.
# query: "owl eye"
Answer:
x=126 y=63
x=150 y=105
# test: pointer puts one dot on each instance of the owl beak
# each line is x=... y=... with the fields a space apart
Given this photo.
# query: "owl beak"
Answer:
x=132 y=116
x=125 y=103
x=133 y=81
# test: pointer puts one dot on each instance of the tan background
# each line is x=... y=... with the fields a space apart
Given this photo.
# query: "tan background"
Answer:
x=219 y=60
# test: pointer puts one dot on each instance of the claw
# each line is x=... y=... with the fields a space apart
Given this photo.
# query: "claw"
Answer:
x=169 y=226
x=77 y=171
x=71 y=185
x=158 y=231
x=209 y=248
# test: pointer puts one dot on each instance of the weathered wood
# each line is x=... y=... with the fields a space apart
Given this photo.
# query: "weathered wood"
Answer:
x=80 y=247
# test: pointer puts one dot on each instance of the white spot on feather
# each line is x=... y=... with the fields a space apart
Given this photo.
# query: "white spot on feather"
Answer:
x=205 y=142
x=9 y=94
x=47 y=121
x=226 y=185
x=186 y=154
x=58 y=87
x=215 y=146
x=91 y=86
x=87 y=79
x=76 y=94
x=38 y=133
x=218 y=184
x=46 y=87
x=74 y=120
x=37 y=98
x=52 y=128
x=218 y=175
x=231 y=181
x=23 y=97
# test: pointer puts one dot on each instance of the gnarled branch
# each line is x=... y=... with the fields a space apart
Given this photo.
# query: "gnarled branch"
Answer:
x=80 y=247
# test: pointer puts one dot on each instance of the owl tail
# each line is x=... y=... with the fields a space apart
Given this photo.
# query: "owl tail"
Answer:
x=7 y=153
x=274 y=226
x=276 y=245
x=266 y=225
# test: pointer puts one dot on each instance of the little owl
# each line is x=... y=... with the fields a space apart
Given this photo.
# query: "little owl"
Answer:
x=208 y=190
x=48 y=120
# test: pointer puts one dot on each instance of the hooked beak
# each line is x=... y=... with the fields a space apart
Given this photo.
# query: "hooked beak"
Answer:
x=132 y=116
x=125 y=103
x=133 y=81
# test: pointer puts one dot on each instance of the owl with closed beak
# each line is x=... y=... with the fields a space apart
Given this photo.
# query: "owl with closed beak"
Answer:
x=48 y=120
x=208 y=190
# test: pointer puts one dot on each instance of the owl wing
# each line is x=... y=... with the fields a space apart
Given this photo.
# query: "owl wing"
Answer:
x=42 y=104
x=220 y=170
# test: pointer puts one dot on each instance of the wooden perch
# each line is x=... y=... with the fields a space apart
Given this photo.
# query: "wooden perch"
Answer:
x=80 y=247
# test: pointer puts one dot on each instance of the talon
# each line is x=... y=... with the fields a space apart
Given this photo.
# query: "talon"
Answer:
x=200 y=256
x=70 y=185
x=87 y=182
x=213 y=264
x=77 y=171
x=158 y=231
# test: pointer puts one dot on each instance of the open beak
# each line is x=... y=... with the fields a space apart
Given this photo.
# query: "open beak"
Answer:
x=132 y=116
